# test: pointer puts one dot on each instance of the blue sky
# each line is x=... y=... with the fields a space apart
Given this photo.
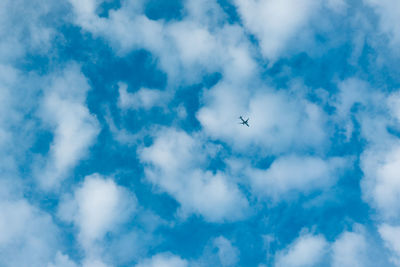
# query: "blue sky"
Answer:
x=120 y=141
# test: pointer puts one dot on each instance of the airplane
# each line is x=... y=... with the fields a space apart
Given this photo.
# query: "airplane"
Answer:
x=244 y=122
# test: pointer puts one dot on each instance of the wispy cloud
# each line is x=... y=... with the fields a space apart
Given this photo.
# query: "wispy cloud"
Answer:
x=75 y=129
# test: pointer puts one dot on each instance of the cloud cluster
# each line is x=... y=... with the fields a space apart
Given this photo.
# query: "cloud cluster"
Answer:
x=289 y=175
x=280 y=121
x=265 y=19
x=28 y=230
x=177 y=164
x=75 y=129
x=163 y=260
x=96 y=208
x=186 y=49
x=351 y=248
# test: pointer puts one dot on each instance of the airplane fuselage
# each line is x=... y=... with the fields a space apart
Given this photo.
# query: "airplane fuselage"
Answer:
x=244 y=122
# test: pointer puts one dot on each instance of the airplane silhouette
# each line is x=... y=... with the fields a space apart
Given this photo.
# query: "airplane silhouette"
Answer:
x=244 y=122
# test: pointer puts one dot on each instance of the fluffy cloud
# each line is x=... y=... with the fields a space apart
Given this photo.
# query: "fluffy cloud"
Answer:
x=389 y=13
x=278 y=120
x=98 y=206
x=163 y=260
x=228 y=255
x=350 y=249
x=144 y=98
x=176 y=163
x=27 y=231
x=391 y=236
x=381 y=185
x=94 y=263
x=379 y=161
x=26 y=27
x=193 y=46
x=289 y=175
x=307 y=250
x=275 y=22
x=62 y=260
x=10 y=115
x=75 y=129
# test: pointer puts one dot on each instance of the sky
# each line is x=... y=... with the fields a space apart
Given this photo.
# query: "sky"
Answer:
x=121 y=144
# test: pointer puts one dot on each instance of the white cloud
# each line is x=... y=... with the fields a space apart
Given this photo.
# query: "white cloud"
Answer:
x=94 y=263
x=379 y=161
x=206 y=12
x=391 y=236
x=126 y=28
x=278 y=121
x=349 y=250
x=176 y=163
x=381 y=184
x=144 y=98
x=163 y=260
x=337 y=5
x=26 y=27
x=120 y=134
x=375 y=113
x=352 y=92
x=197 y=48
x=62 y=260
x=393 y=102
x=11 y=114
x=275 y=22
x=28 y=237
x=389 y=13
x=75 y=129
x=295 y=174
x=306 y=251
x=97 y=207
x=199 y=43
x=228 y=255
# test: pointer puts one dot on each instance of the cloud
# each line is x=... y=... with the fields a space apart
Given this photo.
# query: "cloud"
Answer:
x=27 y=26
x=207 y=12
x=25 y=229
x=163 y=260
x=28 y=236
x=275 y=22
x=350 y=249
x=198 y=44
x=13 y=144
x=307 y=250
x=380 y=159
x=176 y=163
x=353 y=92
x=228 y=255
x=389 y=13
x=101 y=210
x=75 y=128
x=94 y=263
x=279 y=121
x=376 y=112
x=391 y=236
x=143 y=98
x=291 y=175
x=337 y=5
x=62 y=260
x=380 y=184
x=98 y=206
